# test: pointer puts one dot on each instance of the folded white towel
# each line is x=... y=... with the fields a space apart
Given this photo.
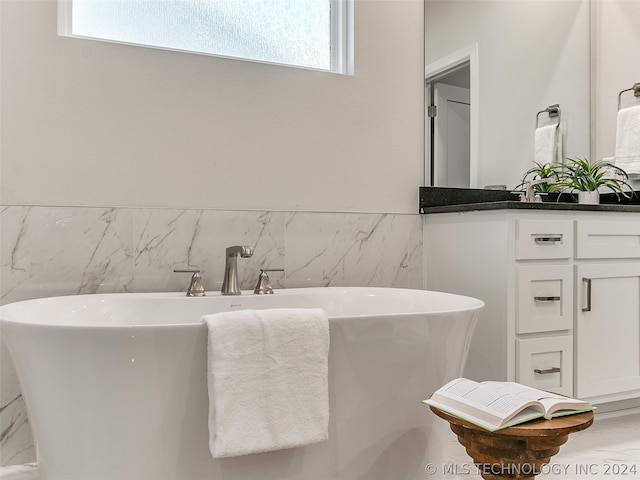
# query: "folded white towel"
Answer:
x=628 y=140
x=267 y=380
x=548 y=144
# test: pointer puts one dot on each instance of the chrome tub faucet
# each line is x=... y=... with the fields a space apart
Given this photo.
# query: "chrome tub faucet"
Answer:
x=529 y=194
x=230 y=284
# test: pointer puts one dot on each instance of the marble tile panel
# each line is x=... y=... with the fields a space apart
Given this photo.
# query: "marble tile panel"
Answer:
x=16 y=440
x=27 y=471
x=49 y=251
x=168 y=239
x=352 y=249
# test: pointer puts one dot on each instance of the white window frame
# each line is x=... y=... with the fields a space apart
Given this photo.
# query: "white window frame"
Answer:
x=342 y=44
x=342 y=34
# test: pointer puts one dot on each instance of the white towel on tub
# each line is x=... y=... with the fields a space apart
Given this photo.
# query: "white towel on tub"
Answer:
x=267 y=380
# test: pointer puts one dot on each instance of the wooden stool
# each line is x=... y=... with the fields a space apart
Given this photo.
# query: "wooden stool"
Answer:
x=519 y=451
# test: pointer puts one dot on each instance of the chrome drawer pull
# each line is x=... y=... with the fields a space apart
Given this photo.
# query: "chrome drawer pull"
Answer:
x=547 y=371
x=546 y=299
x=546 y=239
x=588 y=282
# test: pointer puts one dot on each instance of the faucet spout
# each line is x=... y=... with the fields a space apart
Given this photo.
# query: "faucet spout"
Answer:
x=230 y=285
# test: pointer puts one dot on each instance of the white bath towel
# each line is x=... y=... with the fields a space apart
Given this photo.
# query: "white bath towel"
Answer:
x=548 y=144
x=267 y=380
x=628 y=140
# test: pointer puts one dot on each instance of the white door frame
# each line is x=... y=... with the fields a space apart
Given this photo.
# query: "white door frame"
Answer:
x=468 y=55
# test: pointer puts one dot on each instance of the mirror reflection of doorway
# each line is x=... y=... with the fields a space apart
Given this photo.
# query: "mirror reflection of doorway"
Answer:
x=448 y=122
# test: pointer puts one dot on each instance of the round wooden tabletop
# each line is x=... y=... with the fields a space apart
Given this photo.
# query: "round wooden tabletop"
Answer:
x=535 y=428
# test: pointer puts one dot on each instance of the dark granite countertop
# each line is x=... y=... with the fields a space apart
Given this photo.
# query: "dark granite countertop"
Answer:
x=448 y=200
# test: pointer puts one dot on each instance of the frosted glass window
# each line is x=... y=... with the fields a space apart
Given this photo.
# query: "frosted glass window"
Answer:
x=290 y=32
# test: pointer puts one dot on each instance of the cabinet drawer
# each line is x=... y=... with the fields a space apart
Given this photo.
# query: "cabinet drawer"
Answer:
x=608 y=239
x=540 y=239
x=544 y=299
x=546 y=363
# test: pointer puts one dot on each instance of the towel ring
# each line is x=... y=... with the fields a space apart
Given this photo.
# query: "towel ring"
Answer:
x=553 y=111
x=636 y=93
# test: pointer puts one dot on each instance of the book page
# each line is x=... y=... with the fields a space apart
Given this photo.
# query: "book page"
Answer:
x=501 y=399
x=520 y=389
x=491 y=424
x=552 y=402
x=565 y=405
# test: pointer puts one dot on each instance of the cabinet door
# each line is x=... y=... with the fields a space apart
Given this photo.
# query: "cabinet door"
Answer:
x=607 y=330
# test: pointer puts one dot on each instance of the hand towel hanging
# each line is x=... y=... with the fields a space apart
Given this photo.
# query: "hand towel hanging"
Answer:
x=627 y=151
x=267 y=380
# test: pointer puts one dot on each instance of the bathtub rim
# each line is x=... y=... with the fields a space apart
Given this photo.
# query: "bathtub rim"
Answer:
x=470 y=304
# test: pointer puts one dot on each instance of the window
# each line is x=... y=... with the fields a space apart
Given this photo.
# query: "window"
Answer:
x=306 y=33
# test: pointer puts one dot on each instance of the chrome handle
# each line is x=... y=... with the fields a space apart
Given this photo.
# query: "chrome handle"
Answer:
x=546 y=239
x=547 y=371
x=546 y=299
x=587 y=281
x=263 y=286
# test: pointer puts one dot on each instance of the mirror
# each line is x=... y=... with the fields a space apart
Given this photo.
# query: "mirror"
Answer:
x=524 y=56
x=615 y=46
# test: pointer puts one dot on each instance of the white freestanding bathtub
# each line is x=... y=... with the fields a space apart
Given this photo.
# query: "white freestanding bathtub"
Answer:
x=115 y=384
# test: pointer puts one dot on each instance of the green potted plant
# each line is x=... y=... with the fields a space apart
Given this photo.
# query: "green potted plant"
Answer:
x=579 y=175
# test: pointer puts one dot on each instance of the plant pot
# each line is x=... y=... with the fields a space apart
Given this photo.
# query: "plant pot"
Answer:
x=589 y=198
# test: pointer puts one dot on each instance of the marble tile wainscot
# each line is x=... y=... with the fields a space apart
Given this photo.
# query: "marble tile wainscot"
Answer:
x=48 y=251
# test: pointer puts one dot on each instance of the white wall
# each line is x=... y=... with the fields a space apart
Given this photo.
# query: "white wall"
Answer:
x=86 y=123
x=531 y=54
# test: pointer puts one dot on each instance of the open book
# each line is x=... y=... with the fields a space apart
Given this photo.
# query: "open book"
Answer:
x=496 y=405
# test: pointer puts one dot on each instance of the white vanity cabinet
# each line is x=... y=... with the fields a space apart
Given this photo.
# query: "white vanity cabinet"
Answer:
x=562 y=295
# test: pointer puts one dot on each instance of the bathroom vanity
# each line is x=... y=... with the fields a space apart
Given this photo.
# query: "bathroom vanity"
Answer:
x=561 y=283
